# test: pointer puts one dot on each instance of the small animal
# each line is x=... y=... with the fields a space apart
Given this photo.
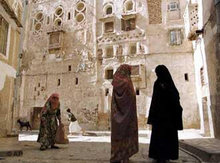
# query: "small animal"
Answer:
x=24 y=124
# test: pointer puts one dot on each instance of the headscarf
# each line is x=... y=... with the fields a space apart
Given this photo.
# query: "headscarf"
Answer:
x=121 y=76
x=54 y=103
x=163 y=76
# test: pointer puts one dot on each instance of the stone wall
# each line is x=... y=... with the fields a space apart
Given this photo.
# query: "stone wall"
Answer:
x=154 y=11
x=211 y=37
x=9 y=66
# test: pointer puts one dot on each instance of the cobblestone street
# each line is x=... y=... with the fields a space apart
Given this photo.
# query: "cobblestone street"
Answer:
x=91 y=151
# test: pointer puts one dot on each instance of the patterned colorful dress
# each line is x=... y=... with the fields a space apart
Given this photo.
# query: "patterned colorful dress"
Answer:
x=48 y=125
x=124 y=127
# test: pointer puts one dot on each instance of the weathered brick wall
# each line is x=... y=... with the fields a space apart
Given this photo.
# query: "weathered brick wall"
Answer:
x=154 y=11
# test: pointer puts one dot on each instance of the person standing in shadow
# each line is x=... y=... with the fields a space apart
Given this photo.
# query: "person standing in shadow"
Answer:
x=165 y=116
x=124 y=127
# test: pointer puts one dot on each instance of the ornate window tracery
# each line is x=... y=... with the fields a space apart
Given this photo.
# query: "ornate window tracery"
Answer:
x=80 y=11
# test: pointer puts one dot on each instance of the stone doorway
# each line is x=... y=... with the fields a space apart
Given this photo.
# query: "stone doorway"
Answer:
x=35 y=118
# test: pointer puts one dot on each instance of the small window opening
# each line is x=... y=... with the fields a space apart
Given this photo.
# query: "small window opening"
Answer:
x=58 y=82
x=109 y=27
x=109 y=74
x=48 y=20
x=69 y=16
x=69 y=68
x=77 y=81
x=128 y=25
x=106 y=92
x=109 y=11
x=133 y=49
x=186 y=77
x=109 y=52
x=38 y=84
x=137 y=91
x=202 y=76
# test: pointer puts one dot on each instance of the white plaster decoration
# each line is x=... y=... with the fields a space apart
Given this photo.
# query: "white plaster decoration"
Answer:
x=117 y=37
x=80 y=11
x=6 y=70
x=38 y=23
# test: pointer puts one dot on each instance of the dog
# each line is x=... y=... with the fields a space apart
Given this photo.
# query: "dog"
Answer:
x=24 y=124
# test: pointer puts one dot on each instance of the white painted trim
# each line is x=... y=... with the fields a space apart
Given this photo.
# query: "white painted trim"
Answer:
x=8 y=18
x=8 y=44
x=6 y=70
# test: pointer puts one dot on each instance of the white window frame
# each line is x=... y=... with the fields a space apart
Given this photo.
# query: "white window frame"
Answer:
x=173 y=6
x=177 y=37
x=6 y=56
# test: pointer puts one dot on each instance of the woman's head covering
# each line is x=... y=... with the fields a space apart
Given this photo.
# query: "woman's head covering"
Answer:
x=122 y=75
x=68 y=110
x=164 y=76
x=53 y=100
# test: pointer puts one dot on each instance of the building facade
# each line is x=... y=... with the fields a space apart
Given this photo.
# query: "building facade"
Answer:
x=10 y=29
x=73 y=47
x=211 y=35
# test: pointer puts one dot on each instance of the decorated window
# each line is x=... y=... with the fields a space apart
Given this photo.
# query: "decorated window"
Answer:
x=175 y=37
x=109 y=27
x=135 y=70
x=133 y=49
x=109 y=52
x=109 y=10
x=128 y=24
x=109 y=74
x=4 y=26
x=80 y=11
x=173 y=6
x=128 y=6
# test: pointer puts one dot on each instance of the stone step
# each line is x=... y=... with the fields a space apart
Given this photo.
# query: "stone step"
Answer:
x=207 y=149
x=90 y=133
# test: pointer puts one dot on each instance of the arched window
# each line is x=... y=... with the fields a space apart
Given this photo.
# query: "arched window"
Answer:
x=129 y=5
x=109 y=10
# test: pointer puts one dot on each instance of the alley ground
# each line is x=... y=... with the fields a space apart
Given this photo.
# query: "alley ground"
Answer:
x=82 y=149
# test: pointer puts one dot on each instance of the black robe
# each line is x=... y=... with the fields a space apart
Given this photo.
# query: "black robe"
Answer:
x=165 y=116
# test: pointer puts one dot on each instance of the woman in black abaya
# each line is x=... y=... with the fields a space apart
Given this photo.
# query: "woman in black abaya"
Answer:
x=165 y=116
